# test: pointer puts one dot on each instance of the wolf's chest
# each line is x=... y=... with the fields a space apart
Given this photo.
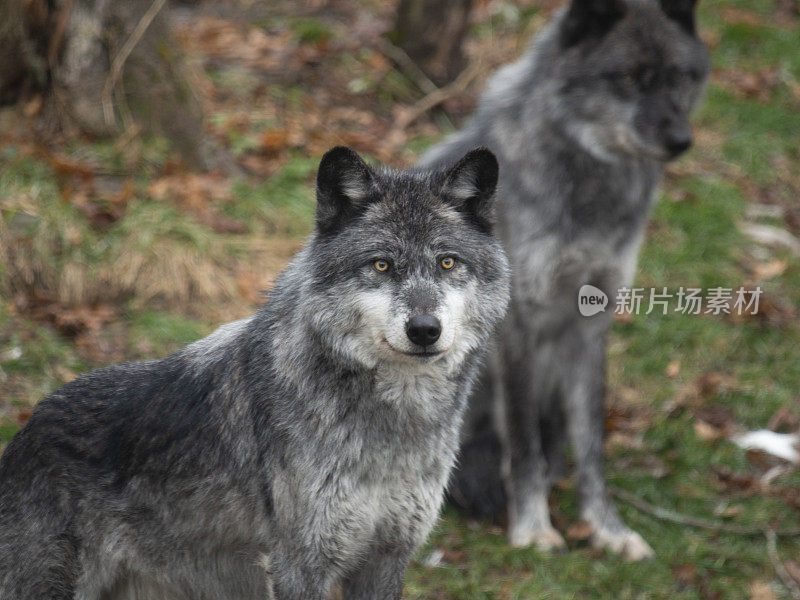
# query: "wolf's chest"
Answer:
x=391 y=493
x=380 y=502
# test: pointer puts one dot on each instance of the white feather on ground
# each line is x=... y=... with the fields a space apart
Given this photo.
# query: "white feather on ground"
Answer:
x=782 y=445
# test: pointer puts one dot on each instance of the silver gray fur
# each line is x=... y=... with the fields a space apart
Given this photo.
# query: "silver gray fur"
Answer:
x=582 y=125
x=306 y=445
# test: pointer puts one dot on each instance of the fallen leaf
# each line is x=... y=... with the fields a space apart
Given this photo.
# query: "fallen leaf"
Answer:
x=772 y=311
x=673 y=368
x=757 y=85
x=647 y=464
x=32 y=107
x=760 y=590
x=699 y=390
x=64 y=374
x=729 y=512
x=22 y=416
x=689 y=577
x=274 y=140
x=738 y=16
x=221 y=223
x=579 y=530
x=686 y=574
x=719 y=417
x=768 y=270
x=707 y=432
x=65 y=166
x=624 y=440
x=729 y=480
x=114 y=193
x=74 y=320
x=713 y=383
x=100 y=215
x=784 y=420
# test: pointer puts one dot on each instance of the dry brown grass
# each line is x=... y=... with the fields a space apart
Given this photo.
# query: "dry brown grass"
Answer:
x=207 y=280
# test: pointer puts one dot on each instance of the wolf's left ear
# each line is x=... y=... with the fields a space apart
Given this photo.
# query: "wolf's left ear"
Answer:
x=470 y=185
x=589 y=18
x=345 y=185
x=681 y=11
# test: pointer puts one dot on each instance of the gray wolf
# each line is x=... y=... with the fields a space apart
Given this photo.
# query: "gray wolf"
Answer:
x=302 y=447
x=582 y=125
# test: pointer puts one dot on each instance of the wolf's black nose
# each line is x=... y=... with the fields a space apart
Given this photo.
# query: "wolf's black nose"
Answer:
x=423 y=330
x=678 y=143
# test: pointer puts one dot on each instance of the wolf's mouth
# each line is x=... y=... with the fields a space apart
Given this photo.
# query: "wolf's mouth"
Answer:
x=423 y=354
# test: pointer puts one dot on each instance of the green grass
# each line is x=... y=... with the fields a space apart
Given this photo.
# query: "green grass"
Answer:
x=159 y=332
x=693 y=241
x=282 y=203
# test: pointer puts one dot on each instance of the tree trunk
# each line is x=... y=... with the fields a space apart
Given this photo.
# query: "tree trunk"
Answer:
x=431 y=32
x=101 y=66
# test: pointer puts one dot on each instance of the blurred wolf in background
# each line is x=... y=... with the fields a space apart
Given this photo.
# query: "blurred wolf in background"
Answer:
x=582 y=126
x=308 y=444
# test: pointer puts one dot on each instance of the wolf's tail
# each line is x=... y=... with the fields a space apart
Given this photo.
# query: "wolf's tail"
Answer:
x=477 y=485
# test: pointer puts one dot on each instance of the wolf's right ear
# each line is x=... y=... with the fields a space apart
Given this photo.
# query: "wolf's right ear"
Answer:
x=681 y=11
x=587 y=18
x=345 y=185
x=470 y=185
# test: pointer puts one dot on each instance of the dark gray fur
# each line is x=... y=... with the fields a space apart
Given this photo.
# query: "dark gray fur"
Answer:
x=285 y=452
x=582 y=125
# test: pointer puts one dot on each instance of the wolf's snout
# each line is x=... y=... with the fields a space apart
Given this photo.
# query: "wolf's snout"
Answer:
x=423 y=330
x=677 y=136
x=678 y=142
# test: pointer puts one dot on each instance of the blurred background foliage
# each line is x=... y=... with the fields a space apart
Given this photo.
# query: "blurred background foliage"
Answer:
x=128 y=242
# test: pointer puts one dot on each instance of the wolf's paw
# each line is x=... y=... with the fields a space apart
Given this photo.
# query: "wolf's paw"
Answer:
x=629 y=544
x=546 y=539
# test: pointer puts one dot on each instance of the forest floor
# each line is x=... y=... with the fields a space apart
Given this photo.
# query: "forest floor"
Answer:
x=114 y=251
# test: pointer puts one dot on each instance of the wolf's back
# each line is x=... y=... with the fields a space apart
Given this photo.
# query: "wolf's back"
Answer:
x=77 y=453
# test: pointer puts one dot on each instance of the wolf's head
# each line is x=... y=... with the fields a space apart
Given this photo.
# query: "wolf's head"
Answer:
x=403 y=267
x=626 y=74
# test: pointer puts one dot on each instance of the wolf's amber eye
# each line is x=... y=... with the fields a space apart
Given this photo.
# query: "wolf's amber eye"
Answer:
x=448 y=262
x=381 y=265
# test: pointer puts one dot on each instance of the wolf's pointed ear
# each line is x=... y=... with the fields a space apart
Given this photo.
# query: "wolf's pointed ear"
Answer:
x=470 y=185
x=345 y=185
x=681 y=11
x=586 y=18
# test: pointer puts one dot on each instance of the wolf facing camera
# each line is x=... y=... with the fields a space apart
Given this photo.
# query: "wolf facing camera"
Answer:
x=582 y=126
x=304 y=446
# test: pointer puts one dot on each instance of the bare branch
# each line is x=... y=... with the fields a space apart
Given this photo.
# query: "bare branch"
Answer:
x=409 y=67
x=665 y=514
x=435 y=98
x=119 y=60
x=780 y=570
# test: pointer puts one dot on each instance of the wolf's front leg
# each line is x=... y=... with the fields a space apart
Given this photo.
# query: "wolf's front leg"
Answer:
x=380 y=577
x=293 y=578
x=584 y=352
x=524 y=375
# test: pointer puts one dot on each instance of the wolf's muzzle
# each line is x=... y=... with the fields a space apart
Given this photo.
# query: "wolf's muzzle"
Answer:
x=678 y=144
x=423 y=330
